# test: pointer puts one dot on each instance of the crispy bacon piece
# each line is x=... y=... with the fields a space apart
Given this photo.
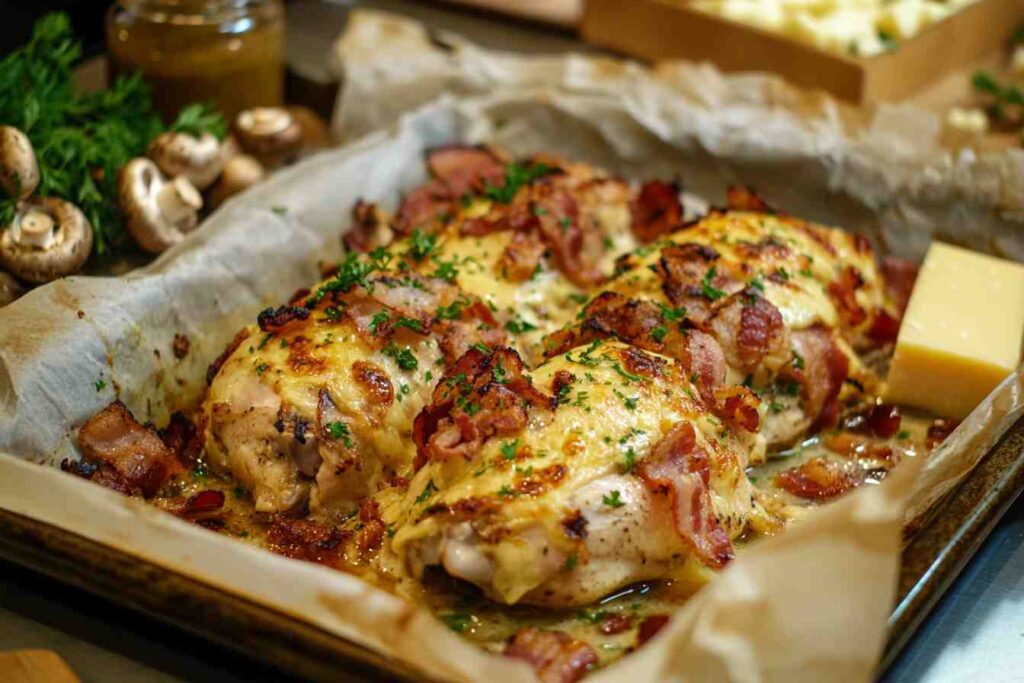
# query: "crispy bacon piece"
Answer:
x=555 y=656
x=680 y=469
x=858 y=446
x=749 y=328
x=656 y=210
x=98 y=473
x=113 y=436
x=899 y=276
x=884 y=328
x=219 y=361
x=821 y=479
x=825 y=368
x=573 y=237
x=739 y=406
x=422 y=205
x=185 y=439
x=304 y=539
x=613 y=624
x=639 y=363
x=939 y=430
x=650 y=627
x=683 y=268
x=276 y=319
x=521 y=257
x=371 y=535
x=642 y=324
x=483 y=395
x=741 y=198
x=844 y=293
x=367 y=223
x=881 y=420
x=464 y=168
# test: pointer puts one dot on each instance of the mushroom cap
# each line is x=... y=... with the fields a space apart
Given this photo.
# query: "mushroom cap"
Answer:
x=156 y=212
x=183 y=154
x=240 y=173
x=19 y=171
x=10 y=289
x=271 y=134
x=58 y=243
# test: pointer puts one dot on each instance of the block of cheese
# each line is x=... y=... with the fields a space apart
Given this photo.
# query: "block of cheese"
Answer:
x=962 y=332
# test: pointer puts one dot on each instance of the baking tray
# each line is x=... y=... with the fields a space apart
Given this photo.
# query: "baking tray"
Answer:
x=933 y=558
x=666 y=29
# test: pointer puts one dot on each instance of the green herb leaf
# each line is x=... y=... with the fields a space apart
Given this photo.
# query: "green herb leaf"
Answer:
x=613 y=499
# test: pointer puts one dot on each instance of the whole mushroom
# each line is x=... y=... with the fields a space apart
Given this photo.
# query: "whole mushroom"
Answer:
x=240 y=173
x=49 y=238
x=10 y=289
x=271 y=134
x=198 y=159
x=158 y=212
x=19 y=171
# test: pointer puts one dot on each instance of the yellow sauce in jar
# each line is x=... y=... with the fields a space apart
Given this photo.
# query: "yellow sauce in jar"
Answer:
x=229 y=53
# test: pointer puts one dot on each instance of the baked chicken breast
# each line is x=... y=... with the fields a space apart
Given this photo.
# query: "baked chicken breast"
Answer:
x=601 y=468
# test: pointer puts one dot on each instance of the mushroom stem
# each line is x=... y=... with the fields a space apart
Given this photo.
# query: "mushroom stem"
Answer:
x=179 y=200
x=35 y=229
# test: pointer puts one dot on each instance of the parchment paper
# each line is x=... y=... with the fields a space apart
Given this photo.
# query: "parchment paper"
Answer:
x=807 y=604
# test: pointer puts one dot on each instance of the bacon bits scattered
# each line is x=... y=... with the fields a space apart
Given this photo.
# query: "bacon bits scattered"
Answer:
x=881 y=420
x=521 y=257
x=219 y=361
x=821 y=479
x=303 y=539
x=844 y=292
x=679 y=468
x=738 y=405
x=369 y=228
x=555 y=656
x=482 y=395
x=276 y=319
x=463 y=168
x=180 y=346
x=824 y=369
x=656 y=210
x=740 y=198
x=371 y=535
x=939 y=431
x=650 y=627
x=113 y=438
x=614 y=624
x=183 y=438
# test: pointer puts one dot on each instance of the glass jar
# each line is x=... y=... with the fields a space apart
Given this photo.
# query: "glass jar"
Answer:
x=229 y=53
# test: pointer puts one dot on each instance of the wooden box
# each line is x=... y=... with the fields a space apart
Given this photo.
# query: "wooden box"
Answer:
x=668 y=29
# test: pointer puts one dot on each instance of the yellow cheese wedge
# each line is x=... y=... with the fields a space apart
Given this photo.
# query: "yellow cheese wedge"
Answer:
x=962 y=333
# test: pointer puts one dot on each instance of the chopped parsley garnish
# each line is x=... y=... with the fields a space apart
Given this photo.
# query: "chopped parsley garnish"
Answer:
x=379 y=319
x=446 y=270
x=658 y=333
x=798 y=361
x=516 y=176
x=706 y=286
x=452 y=310
x=613 y=499
x=672 y=315
x=421 y=244
x=903 y=435
x=630 y=462
x=428 y=490
x=519 y=326
x=100 y=385
x=352 y=271
x=782 y=273
x=339 y=430
x=403 y=356
x=571 y=562
x=579 y=298
x=617 y=367
x=509 y=449
x=629 y=402
x=279 y=210
x=538 y=210
x=457 y=621
x=757 y=283
x=481 y=347
x=564 y=222
x=261 y=368
x=333 y=313
x=506 y=491
x=410 y=323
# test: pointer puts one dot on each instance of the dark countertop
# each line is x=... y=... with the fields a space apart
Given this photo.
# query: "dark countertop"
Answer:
x=976 y=630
